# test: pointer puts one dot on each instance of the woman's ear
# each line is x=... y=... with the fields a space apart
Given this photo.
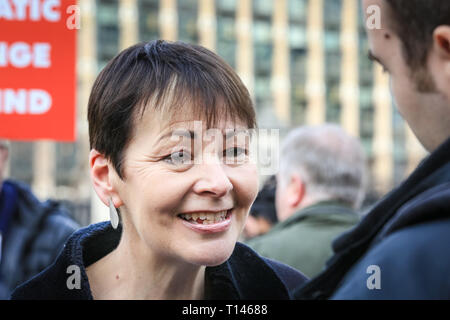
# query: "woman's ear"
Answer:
x=102 y=175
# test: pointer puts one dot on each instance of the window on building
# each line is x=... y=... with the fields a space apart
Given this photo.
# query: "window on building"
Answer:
x=332 y=38
x=298 y=59
x=298 y=10
x=263 y=52
x=226 y=36
x=226 y=6
x=366 y=82
x=399 y=144
x=148 y=19
x=332 y=13
x=298 y=80
x=187 y=24
x=262 y=9
x=21 y=161
x=366 y=114
x=66 y=164
x=107 y=31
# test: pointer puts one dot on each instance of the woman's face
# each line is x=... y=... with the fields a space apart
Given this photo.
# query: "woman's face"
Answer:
x=187 y=190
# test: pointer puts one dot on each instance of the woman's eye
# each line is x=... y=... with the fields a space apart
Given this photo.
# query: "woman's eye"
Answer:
x=235 y=152
x=179 y=158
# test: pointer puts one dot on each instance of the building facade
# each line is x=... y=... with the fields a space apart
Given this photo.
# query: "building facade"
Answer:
x=304 y=62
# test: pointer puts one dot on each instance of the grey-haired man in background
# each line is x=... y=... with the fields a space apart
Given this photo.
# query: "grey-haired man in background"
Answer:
x=320 y=187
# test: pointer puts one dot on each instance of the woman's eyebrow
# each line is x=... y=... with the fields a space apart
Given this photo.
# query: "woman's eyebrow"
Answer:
x=234 y=132
x=228 y=134
x=177 y=133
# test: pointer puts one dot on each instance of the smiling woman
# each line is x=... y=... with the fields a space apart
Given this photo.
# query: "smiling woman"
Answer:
x=164 y=125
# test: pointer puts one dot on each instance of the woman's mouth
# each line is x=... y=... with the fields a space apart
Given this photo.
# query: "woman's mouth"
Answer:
x=206 y=217
x=207 y=222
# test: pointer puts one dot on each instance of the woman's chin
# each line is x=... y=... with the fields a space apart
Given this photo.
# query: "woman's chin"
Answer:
x=211 y=256
x=211 y=262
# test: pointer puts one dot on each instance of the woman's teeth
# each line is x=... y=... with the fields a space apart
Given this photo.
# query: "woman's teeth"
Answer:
x=205 y=217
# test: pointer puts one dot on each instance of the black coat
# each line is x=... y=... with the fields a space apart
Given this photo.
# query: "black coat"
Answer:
x=245 y=275
x=35 y=236
x=401 y=249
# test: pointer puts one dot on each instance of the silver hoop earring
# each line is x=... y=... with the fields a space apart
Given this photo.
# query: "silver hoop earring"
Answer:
x=113 y=214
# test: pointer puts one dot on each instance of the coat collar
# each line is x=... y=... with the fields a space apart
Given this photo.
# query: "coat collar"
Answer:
x=434 y=170
x=238 y=278
x=322 y=210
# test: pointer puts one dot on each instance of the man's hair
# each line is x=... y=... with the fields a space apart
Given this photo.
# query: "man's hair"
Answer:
x=330 y=162
x=414 y=21
x=171 y=77
x=264 y=205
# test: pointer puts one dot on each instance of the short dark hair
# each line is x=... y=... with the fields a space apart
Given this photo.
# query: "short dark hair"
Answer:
x=414 y=21
x=264 y=205
x=169 y=75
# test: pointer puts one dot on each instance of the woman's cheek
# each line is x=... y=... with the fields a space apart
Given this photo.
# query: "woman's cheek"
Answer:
x=245 y=181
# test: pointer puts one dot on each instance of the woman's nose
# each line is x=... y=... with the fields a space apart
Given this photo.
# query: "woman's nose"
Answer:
x=214 y=181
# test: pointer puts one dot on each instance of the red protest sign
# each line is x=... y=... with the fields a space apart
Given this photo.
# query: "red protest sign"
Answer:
x=37 y=69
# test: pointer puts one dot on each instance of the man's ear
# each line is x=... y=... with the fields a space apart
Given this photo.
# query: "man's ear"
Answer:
x=296 y=191
x=440 y=58
x=441 y=39
x=102 y=175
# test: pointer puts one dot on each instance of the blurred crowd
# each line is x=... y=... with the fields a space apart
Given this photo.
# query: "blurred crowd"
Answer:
x=307 y=235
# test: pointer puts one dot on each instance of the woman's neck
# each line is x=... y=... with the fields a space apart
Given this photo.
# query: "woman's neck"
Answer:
x=132 y=272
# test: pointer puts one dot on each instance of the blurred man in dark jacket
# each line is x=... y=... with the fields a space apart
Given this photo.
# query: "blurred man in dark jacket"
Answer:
x=33 y=232
x=401 y=249
x=320 y=184
x=263 y=215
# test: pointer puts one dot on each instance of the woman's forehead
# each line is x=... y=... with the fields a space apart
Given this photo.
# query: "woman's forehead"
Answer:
x=197 y=129
x=163 y=120
x=178 y=107
x=203 y=124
